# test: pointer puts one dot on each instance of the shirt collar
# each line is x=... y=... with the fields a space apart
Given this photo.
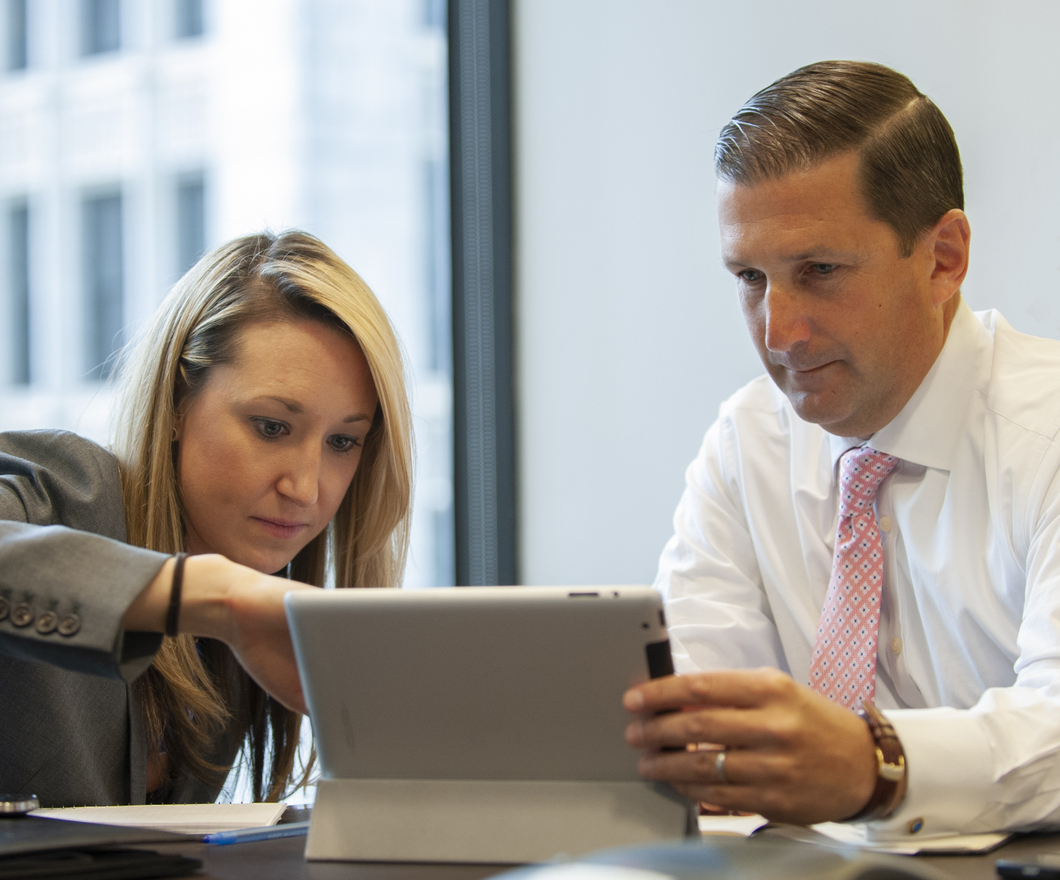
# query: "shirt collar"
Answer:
x=928 y=428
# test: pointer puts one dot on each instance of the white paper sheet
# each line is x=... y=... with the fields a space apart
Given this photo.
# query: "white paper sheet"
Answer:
x=182 y=818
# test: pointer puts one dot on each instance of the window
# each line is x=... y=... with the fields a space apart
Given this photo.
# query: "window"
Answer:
x=17 y=36
x=191 y=220
x=18 y=281
x=170 y=147
x=189 y=18
x=100 y=26
x=102 y=267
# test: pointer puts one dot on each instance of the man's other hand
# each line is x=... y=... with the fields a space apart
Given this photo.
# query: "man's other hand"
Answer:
x=791 y=754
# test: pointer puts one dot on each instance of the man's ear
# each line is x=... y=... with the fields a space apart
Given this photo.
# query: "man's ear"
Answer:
x=948 y=241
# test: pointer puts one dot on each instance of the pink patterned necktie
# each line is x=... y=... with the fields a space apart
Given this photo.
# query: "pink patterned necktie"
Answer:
x=843 y=666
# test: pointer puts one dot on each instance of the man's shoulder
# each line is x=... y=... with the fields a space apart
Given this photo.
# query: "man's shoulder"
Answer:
x=761 y=406
x=760 y=395
x=1024 y=386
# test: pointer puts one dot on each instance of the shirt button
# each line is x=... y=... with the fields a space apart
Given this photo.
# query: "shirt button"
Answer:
x=47 y=622
x=69 y=625
x=22 y=615
x=885 y=523
x=896 y=645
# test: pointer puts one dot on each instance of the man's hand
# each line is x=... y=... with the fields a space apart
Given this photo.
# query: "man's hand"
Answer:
x=791 y=754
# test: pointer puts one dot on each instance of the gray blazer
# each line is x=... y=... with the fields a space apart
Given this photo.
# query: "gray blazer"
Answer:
x=70 y=728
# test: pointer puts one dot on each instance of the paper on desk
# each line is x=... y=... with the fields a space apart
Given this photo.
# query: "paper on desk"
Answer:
x=182 y=818
x=853 y=835
x=857 y=835
x=741 y=826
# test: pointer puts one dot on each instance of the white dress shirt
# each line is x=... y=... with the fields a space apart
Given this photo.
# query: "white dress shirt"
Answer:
x=968 y=666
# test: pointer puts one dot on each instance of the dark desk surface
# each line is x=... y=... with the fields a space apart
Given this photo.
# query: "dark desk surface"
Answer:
x=283 y=859
x=982 y=867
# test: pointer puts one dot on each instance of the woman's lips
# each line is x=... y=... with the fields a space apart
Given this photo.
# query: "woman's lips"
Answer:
x=280 y=528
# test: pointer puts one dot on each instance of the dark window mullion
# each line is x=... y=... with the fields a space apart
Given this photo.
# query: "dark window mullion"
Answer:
x=483 y=388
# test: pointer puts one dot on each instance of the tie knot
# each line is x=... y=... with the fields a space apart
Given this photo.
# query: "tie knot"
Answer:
x=861 y=471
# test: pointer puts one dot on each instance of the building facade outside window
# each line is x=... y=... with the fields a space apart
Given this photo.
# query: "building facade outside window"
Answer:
x=17 y=34
x=217 y=119
x=188 y=18
x=18 y=288
x=103 y=281
x=191 y=219
x=100 y=26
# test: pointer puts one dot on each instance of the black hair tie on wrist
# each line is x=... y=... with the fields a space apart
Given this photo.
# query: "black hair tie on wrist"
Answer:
x=173 y=614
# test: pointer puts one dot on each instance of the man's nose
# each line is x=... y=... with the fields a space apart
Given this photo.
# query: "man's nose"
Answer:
x=786 y=320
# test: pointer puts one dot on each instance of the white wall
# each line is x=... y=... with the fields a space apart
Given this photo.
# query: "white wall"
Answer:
x=628 y=332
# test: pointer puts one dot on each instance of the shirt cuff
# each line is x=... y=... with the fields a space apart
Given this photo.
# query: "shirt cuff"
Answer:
x=949 y=774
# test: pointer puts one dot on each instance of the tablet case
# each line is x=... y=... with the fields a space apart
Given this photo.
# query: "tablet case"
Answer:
x=480 y=724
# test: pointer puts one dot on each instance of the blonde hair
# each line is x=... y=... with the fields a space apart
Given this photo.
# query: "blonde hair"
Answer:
x=257 y=278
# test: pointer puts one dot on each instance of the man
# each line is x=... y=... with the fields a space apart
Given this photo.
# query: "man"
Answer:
x=878 y=520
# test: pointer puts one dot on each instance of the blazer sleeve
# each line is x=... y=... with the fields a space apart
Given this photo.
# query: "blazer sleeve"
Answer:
x=66 y=574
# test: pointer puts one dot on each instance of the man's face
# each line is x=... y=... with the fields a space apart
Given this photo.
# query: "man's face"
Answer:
x=844 y=324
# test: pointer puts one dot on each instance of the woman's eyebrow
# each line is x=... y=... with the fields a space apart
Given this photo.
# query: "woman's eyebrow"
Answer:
x=295 y=407
x=292 y=405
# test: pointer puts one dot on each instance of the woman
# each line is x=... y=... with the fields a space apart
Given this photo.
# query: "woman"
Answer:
x=264 y=429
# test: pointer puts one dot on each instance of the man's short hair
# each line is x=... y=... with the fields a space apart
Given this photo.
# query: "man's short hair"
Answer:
x=910 y=164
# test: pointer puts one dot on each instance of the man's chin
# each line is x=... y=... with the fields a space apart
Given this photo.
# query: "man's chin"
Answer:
x=820 y=408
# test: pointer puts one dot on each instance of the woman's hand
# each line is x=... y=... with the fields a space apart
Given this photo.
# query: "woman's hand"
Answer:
x=236 y=605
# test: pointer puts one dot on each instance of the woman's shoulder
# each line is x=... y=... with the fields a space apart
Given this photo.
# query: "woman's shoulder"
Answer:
x=54 y=448
x=59 y=476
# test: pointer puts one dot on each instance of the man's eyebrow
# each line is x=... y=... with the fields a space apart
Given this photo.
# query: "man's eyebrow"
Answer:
x=815 y=255
x=819 y=255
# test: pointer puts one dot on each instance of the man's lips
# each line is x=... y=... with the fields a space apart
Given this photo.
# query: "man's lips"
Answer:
x=280 y=528
x=804 y=369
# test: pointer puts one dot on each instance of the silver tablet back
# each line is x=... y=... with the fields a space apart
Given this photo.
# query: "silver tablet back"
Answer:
x=513 y=683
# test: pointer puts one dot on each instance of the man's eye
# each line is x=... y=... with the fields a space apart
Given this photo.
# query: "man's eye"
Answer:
x=751 y=276
x=269 y=428
x=823 y=268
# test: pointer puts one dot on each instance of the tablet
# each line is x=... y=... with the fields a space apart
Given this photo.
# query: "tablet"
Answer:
x=476 y=682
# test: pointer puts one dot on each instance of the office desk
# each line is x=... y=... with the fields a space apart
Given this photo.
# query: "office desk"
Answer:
x=282 y=859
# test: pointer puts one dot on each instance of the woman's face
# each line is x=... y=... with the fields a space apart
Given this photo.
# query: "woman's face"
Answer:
x=269 y=445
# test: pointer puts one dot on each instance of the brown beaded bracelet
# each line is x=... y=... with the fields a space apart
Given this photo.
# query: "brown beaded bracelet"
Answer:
x=173 y=614
x=890 y=767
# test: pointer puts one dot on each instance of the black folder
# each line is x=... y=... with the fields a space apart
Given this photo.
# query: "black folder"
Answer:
x=39 y=848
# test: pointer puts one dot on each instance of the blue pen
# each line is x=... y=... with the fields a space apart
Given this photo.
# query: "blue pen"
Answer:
x=245 y=835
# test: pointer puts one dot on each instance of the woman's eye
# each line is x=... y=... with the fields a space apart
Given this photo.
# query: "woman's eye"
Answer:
x=269 y=428
x=342 y=443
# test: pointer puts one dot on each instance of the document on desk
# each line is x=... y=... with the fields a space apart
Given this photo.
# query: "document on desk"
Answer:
x=857 y=835
x=182 y=818
x=851 y=835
